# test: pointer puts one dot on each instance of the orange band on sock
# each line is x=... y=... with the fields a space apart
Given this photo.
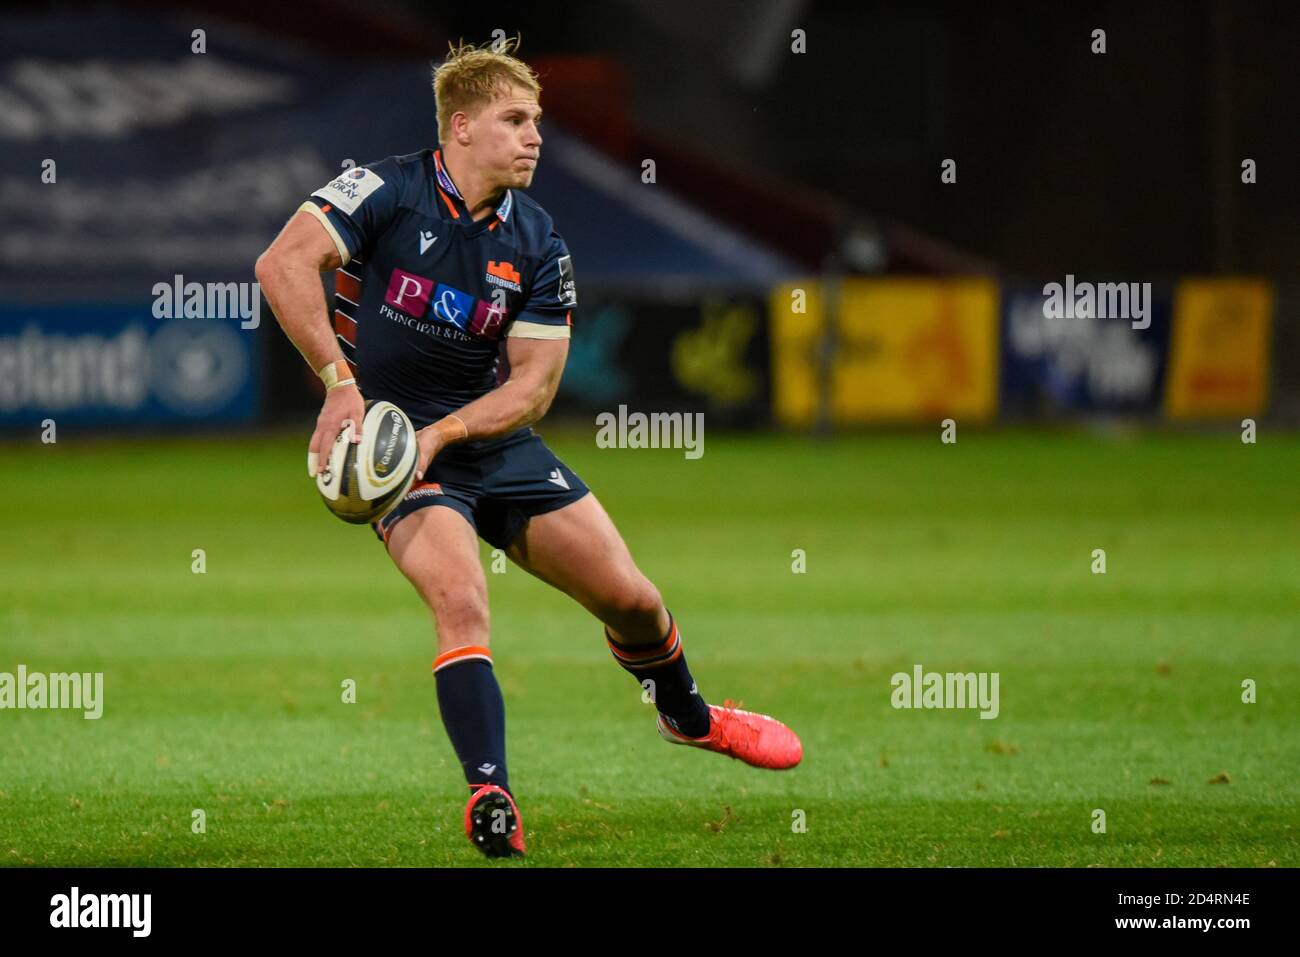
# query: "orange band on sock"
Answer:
x=463 y=653
x=642 y=656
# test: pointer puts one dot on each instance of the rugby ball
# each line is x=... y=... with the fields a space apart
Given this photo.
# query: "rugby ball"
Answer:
x=363 y=481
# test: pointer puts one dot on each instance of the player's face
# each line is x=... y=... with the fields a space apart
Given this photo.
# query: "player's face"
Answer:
x=505 y=141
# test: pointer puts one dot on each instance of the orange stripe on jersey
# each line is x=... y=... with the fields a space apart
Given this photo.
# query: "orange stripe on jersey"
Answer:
x=346 y=286
x=326 y=208
x=495 y=224
x=450 y=205
x=568 y=318
x=345 y=327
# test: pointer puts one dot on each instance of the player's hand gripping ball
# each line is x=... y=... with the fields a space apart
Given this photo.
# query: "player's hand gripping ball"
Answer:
x=364 y=481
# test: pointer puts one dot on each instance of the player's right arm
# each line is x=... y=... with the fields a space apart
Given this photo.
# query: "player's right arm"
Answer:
x=333 y=225
x=289 y=272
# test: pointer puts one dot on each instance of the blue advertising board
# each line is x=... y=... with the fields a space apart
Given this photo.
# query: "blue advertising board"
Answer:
x=1084 y=347
x=110 y=365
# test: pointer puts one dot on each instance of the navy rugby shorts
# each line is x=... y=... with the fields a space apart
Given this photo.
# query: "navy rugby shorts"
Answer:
x=497 y=489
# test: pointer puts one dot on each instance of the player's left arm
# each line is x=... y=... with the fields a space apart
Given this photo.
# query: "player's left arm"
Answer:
x=535 y=369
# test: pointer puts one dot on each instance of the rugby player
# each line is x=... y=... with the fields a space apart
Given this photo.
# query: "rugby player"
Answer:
x=455 y=298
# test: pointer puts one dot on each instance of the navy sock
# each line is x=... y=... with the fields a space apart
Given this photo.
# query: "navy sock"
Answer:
x=473 y=713
x=664 y=663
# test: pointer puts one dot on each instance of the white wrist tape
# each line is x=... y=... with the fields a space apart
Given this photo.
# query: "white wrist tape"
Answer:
x=337 y=373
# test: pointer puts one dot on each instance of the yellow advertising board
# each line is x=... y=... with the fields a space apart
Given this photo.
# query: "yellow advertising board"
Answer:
x=906 y=350
x=1219 y=350
x=795 y=324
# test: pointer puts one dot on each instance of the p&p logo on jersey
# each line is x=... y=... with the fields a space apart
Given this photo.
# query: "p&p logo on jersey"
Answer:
x=409 y=293
x=452 y=305
x=421 y=298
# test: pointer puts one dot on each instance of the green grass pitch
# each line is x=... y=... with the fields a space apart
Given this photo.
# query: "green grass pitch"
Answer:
x=1120 y=692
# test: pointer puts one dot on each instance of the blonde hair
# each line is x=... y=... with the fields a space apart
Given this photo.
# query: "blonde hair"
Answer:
x=472 y=77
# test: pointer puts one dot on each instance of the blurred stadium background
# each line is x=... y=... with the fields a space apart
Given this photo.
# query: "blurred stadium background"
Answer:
x=761 y=232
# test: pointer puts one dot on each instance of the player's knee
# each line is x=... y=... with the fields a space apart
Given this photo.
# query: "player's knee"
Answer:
x=463 y=620
x=637 y=603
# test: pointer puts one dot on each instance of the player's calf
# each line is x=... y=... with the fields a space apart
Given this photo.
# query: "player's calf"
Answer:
x=474 y=713
x=660 y=667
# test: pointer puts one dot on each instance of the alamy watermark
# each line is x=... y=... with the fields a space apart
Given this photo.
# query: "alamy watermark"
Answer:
x=658 y=430
x=82 y=691
x=75 y=909
x=1103 y=300
x=933 y=689
x=212 y=300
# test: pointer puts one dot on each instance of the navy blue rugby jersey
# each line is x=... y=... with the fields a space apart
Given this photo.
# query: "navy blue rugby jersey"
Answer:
x=426 y=295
